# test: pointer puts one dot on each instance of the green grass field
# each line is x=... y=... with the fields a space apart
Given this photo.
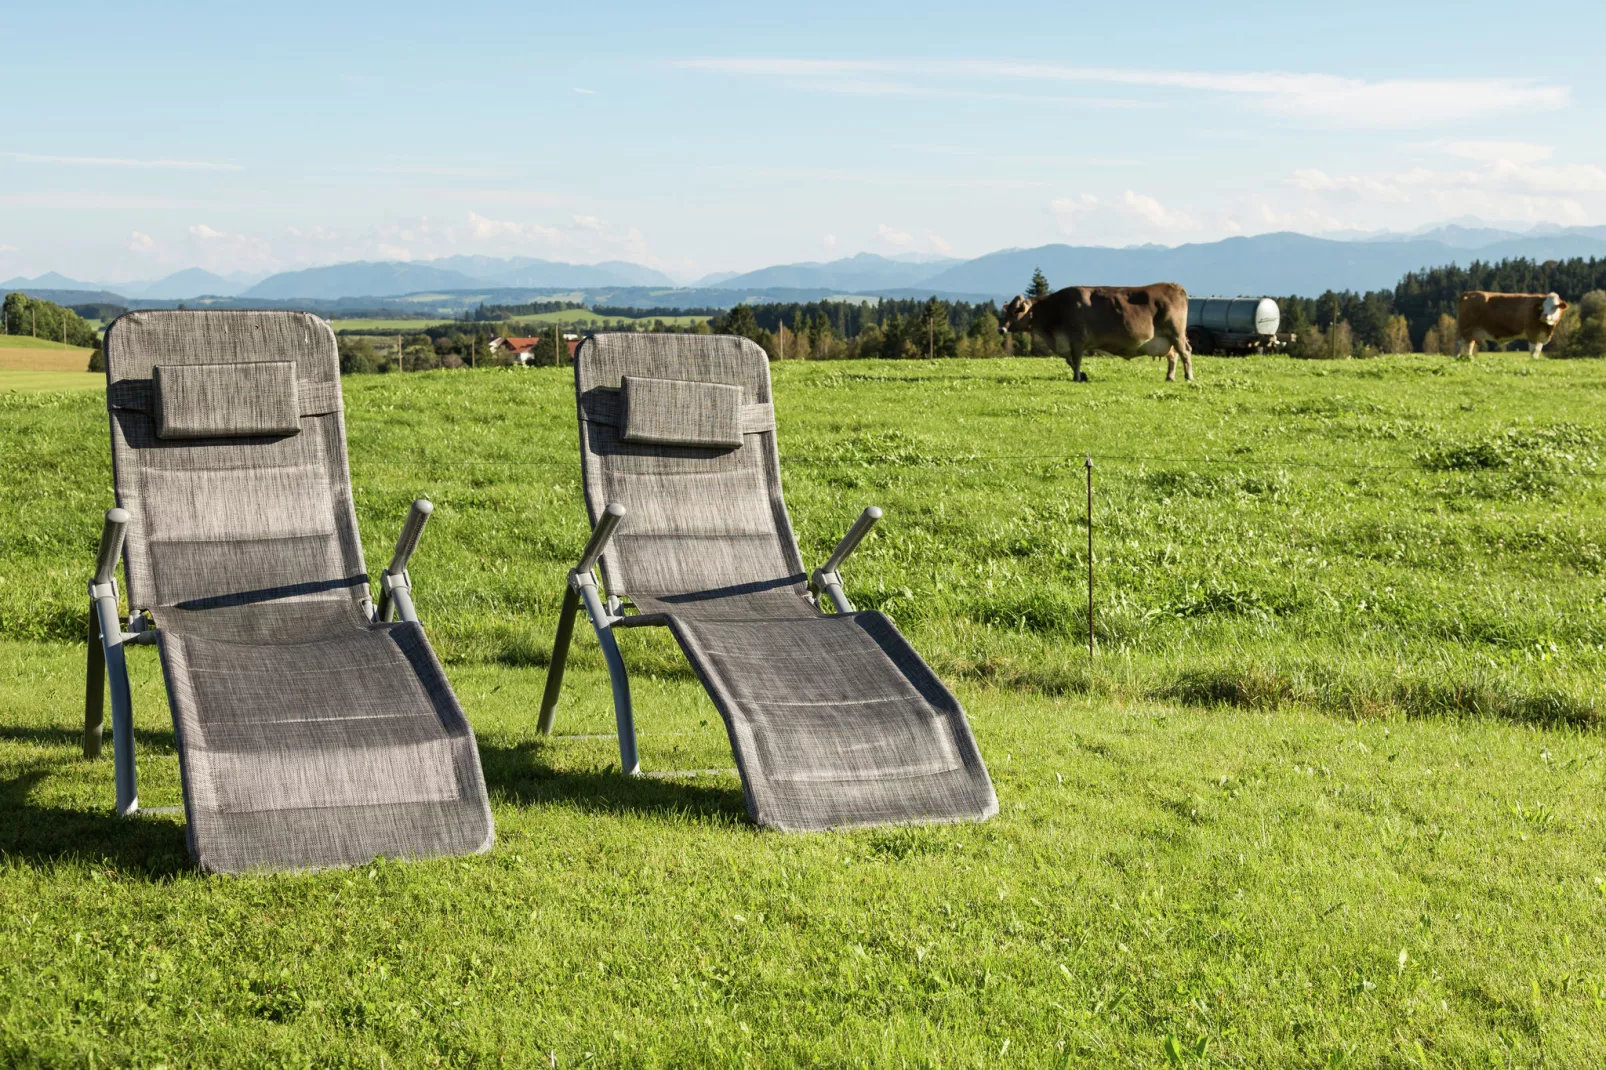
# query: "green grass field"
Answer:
x=28 y=342
x=569 y=317
x=32 y=381
x=1329 y=795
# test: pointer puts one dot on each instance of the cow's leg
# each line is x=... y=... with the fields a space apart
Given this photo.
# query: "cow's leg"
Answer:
x=1187 y=358
x=1075 y=361
x=1538 y=348
x=1171 y=365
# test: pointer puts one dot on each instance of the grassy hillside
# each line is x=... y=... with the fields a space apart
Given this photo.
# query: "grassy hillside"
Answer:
x=1328 y=796
x=9 y=342
x=33 y=364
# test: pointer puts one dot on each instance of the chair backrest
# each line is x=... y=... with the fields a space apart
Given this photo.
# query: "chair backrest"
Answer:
x=229 y=451
x=680 y=429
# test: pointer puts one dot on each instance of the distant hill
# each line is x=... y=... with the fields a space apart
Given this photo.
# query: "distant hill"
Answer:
x=67 y=298
x=390 y=278
x=359 y=278
x=864 y=273
x=191 y=282
x=530 y=271
x=1282 y=263
x=48 y=281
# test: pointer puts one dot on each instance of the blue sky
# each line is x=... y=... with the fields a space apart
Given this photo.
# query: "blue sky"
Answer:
x=708 y=137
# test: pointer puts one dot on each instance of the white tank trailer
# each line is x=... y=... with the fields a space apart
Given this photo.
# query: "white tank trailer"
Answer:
x=1234 y=325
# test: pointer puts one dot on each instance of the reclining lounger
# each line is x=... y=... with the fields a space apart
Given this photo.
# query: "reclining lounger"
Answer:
x=311 y=730
x=834 y=720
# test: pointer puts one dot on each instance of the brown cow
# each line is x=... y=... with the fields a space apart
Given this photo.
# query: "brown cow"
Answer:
x=1492 y=317
x=1124 y=321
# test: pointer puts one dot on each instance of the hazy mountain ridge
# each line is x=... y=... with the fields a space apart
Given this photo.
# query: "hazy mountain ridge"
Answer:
x=852 y=274
x=1279 y=263
x=389 y=277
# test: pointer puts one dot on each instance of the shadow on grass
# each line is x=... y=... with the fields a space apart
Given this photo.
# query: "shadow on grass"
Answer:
x=159 y=740
x=44 y=836
x=1258 y=688
x=524 y=775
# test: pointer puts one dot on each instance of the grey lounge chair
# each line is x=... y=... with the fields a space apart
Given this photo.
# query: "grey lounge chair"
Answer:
x=834 y=720
x=311 y=730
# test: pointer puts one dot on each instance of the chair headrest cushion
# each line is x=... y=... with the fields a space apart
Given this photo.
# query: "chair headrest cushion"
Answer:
x=247 y=399
x=679 y=412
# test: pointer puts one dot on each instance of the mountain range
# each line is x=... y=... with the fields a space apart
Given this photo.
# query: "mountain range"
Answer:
x=389 y=277
x=1279 y=263
x=851 y=274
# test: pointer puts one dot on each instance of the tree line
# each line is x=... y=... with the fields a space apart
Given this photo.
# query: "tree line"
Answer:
x=1418 y=315
x=32 y=316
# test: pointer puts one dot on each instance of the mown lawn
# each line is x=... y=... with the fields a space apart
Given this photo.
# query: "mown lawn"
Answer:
x=1330 y=795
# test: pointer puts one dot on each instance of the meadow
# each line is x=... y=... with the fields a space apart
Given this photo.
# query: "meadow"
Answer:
x=1329 y=793
x=33 y=364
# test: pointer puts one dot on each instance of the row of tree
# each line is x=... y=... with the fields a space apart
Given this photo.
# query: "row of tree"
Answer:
x=22 y=314
x=890 y=329
x=1419 y=313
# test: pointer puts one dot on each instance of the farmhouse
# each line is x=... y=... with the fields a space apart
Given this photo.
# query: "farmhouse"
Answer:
x=523 y=349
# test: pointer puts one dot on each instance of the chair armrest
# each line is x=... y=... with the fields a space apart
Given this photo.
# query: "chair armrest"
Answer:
x=827 y=578
x=607 y=524
x=111 y=549
x=395 y=585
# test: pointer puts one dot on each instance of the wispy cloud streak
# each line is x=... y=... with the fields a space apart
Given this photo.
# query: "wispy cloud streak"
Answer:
x=1323 y=99
x=119 y=161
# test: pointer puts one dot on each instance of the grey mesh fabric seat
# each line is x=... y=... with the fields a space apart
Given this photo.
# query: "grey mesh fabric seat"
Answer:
x=834 y=720
x=311 y=730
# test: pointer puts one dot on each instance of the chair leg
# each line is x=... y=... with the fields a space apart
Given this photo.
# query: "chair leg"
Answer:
x=623 y=715
x=111 y=641
x=94 y=690
x=560 y=660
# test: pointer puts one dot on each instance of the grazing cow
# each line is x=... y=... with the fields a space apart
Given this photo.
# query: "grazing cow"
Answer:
x=1491 y=317
x=1124 y=321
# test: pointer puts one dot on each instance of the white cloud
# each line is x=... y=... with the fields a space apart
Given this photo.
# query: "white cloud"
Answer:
x=141 y=243
x=829 y=241
x=939 y=243
x=1504 y=180
x=1495 y=151
x=1066 y=209
x=1318 y=99
x=117 y=161
x=4 y=248
x=394 y=252
x=587 y=222
x=585 y=92
x=484 y=228
x=1132 y=216
x=1356 y=187
x=1155 y=215
x=893 y=237
x=1306 y=220
x=205 y=233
